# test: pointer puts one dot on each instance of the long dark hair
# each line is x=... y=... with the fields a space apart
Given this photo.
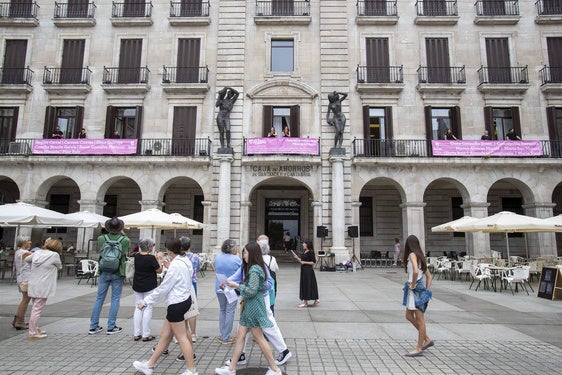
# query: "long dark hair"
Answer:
x=254 y=257
x=309 y=245
x=413 y=246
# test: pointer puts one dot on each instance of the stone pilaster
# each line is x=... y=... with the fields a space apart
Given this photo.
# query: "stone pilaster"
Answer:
x=245 y=218
x=413 y=221
x=338 y=210
x=224 y=195
x=541 y=244
x=477 y=243
x=85 y=236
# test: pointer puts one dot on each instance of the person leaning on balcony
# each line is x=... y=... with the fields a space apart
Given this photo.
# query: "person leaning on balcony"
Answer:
x=286 y=132
x=57 y=134
x=450 y=136
x=485 y=136
x=272 y=133
x=115 y=134
x=82 y=134
x=512 y=136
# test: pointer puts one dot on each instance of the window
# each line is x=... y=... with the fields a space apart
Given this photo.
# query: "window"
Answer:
x=59 y=203
x=498 y=60
x=282 y=8
x=279 y=117
x=282 y=55
x=366 y=217
x=376 y=8
x=439 y=120
x=438 y=65
x=377 y=128
x=72 y=60
x=183 y=138
x=458 y=212
x=513 y=204
x=130 y=60
x=554 y=46
x=13 y=69
x=498 y=121
x=8 y=125
x=198 y=210
x=69 y=119
x=77 y=9
x=378 y=61
x=21 y=9
x=554 y=121
x=188 y=60
x=134 y=8
x=126 y=120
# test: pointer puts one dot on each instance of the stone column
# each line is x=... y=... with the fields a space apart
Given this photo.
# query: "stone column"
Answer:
x=206 y=243
x=244 y=222
x=223 y=205
x=149 y=232
x=477 y=243
x=338 y=210
x=86 y=237
x=541 y=244
x=317 y=220
x=413 y=221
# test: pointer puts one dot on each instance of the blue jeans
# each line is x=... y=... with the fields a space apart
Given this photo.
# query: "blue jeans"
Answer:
x=104 y=281
x=226 y=316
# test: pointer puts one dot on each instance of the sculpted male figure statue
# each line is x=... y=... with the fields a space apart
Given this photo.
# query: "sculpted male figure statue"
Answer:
x=225 y=102
x=338 y=120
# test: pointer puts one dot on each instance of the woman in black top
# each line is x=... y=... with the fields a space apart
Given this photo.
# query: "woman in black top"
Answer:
x=144 y=281
x=308 y=285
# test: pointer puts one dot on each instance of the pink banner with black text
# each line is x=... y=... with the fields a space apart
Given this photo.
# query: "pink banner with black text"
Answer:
x=85 y=146
x=486 y=148
x=282 y=145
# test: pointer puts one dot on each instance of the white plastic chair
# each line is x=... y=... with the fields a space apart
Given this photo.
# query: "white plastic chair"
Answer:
x=89 y=271
x=480 y=272
x=518 y=276
x=443 y=267
x=465 y=268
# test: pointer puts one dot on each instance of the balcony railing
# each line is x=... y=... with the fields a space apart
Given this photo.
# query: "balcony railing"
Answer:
x=21 y=10
x=67 y=76
x=189 y=9
x=125 y=75
x=497 y=7
x=196 y=74
x=138 y=9
x=422 y=148
x=437 y=8
x=68 y=10
x=283 y=8
x=509 y=75
x=549 y=7
x=377 y=8
x=385 y=74
x=197 y=147
x=550 y=74
x=448 y=74
x=16 y=76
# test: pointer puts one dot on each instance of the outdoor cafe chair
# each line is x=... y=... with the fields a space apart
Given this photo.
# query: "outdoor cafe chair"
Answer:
x=480 y=272
x=518 y=276
x=89 y=271
x=443 y=268
x=464 y=268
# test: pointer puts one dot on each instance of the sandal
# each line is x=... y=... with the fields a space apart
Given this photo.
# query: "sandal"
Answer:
x=137 y=338
x=316 y=303
x=303 y=305
x=149 y=338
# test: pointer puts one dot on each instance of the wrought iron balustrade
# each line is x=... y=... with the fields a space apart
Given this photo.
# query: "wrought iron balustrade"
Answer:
x=380 y=74
x=503 y=75
x=447 y=74
x=377 y=8
x=195 y=74
x=549 y=7
x=17 y=76
x=125 y=75
x=437 y=8
x=19 y=10
x=551 y=74
x=497 y=7
x=193 y=8
x=283 y=8
x=138 y=9
x=73 y=10
x=67 y=76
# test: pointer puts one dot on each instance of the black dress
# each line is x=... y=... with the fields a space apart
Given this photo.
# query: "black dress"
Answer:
x=309 y=287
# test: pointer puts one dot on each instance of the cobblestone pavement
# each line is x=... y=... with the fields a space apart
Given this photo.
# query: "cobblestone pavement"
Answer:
x=359 y=328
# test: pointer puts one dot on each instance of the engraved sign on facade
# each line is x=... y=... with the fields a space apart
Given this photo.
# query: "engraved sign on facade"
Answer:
x=281 y=170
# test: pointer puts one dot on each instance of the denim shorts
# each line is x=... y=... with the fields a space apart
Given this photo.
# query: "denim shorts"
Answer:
x=176 y=311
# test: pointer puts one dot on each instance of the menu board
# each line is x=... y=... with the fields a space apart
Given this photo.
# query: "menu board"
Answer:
x=550 y=284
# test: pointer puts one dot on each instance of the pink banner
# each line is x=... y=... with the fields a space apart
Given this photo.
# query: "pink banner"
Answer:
x=487 y=148
x=85 y=146
x=282 y=145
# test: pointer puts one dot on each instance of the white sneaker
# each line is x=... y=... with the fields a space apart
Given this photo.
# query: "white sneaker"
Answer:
x=224 y=371
x=187 y=372
x=143 y=367
x=271 y=372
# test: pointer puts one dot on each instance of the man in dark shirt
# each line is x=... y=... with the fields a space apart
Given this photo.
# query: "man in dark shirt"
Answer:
x=485 y=136
x=57 y=134
x=512 y=136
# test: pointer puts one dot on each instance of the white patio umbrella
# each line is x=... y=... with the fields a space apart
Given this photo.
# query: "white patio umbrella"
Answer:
x=503 y=222
x=186 y=222
x=19 y=214
x=152 y=218
x=89 y=220
x=555 y=222
x=448 y=226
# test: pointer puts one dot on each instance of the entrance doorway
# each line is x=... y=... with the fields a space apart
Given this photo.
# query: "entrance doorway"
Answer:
x=282 y=216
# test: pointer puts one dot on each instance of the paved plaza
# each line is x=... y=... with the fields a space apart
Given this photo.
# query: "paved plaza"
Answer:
x=359 y=328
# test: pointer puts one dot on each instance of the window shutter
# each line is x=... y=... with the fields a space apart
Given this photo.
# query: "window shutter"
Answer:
x=516 y=121
x=456 y=121
x=551 y=122
x=267 y=119
x=138 y=122
x=388 y=122
x=366 y=123
x=295 y=121
x=110 y=120
x=50 y=121
x=15 y=123
x=428 y=128
x=489 y=122
x=79 y=120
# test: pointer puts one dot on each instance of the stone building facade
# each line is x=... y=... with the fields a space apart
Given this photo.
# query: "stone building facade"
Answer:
x=411 y=70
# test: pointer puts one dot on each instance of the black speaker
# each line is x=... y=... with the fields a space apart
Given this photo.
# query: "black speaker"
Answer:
x=353 y=231
x=321 y=231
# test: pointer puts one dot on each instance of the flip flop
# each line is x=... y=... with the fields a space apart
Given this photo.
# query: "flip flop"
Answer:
x=428 y=345
x=149 y=338
x=418 y=354
x=303 y=305
x=137 y=338
x=316 y=303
